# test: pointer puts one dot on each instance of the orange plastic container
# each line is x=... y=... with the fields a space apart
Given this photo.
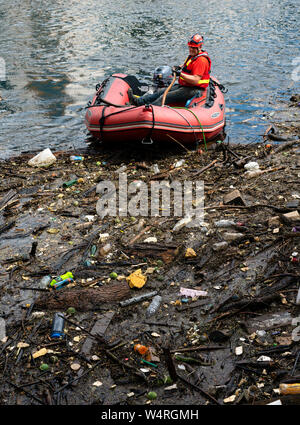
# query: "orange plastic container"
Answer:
x=142 y=349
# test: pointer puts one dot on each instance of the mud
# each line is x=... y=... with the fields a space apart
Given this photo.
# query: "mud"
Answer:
x=203 y=349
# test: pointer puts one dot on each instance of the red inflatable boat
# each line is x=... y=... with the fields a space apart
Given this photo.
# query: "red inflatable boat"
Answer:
x=110 y=117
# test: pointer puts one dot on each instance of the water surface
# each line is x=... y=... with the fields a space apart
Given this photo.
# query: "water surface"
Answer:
x=56 y=52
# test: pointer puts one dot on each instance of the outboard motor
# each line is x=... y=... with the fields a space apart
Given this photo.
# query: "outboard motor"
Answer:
x=162 y=77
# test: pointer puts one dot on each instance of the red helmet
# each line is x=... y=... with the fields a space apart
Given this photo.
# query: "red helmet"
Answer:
x=195 y=41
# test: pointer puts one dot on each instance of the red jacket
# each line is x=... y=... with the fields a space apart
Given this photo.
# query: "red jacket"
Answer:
x=197 y=65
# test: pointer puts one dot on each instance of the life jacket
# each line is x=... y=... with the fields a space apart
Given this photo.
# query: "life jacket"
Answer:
x=187 y=69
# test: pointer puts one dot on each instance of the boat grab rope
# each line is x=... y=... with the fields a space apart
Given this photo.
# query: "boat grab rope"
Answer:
x=99 y=99
x=132 y=82
x=103 y=117
x=221 y=87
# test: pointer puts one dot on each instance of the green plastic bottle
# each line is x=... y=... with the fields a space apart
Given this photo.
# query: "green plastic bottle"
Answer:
x=68 y=275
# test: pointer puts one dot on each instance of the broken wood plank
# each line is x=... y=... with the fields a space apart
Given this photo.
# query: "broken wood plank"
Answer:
x=10 y=196
x=98 y=329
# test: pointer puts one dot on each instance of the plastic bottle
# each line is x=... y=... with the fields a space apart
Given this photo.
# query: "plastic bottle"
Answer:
x=181 y=223
x=289 y=388
x=68 y=275
x=155 y=169
x=154 y=305
x=70 y=183
x=62 y=283
x=224 y=223
x=179 y=163
x=105 y=249
x=137 y=299
x=298 y=297
x=2 y=328
x=58 y=325
x=44 y=282
x=76 y=158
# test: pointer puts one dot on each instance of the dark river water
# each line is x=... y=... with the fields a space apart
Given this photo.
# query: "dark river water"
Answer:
x=55 y=52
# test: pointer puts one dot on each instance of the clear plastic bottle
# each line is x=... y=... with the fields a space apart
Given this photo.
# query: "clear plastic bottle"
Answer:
x=154 y=305
x=179 y=163
x=45 y=281
x=155 y=169
x=2 y=328
x=104 y=250
x=137 y=299
x=224 y=223
x=298 y=297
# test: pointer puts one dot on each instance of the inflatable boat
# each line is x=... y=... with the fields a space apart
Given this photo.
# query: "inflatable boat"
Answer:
x=110 y=117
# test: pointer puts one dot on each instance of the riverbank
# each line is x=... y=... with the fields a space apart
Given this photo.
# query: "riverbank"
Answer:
x=223 y=331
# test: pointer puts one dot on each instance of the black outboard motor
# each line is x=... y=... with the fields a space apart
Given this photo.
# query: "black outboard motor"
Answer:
x=162 y=77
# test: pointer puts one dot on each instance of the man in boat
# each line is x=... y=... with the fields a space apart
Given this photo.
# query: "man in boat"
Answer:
x=193 y=78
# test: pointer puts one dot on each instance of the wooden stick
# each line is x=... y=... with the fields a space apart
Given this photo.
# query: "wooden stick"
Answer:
x=77 y=378
x=139 y=235
x=205 y=394
x=25 y=391
x=178 y=143
x=199 y=348
x=170 y=364
x=206 y=167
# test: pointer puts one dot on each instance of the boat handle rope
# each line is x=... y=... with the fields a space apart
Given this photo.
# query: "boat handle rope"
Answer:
x=148 y=137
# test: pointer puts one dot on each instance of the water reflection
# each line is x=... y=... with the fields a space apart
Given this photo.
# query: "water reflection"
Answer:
x=57 y=51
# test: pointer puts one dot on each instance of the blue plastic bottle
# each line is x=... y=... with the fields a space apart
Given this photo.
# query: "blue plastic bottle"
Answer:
x=58 y=325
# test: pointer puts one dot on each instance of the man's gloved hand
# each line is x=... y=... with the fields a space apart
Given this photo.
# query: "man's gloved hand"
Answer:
x=177 y=70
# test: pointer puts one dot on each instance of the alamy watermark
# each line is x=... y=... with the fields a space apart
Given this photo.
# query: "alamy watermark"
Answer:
x=2 y=69
x=296 y=71
x=158 y=198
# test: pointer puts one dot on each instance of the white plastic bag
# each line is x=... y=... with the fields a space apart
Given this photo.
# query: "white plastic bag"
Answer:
x=251 y=166
x=42 y=159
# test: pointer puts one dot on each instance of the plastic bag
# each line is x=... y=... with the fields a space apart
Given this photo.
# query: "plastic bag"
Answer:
x=42 y=159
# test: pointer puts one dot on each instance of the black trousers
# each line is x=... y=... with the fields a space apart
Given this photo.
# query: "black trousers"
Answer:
x=177 y=94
